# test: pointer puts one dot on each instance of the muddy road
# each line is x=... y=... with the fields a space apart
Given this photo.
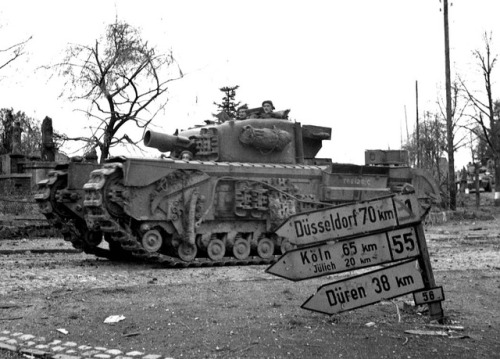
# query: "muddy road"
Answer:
x=52 y=302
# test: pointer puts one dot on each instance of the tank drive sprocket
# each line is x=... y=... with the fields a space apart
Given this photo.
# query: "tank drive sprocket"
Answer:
x=50 y=197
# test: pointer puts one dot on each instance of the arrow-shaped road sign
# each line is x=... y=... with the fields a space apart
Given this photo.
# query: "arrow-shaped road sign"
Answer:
x=352 y=219
x=336 y=257
x=366 y=289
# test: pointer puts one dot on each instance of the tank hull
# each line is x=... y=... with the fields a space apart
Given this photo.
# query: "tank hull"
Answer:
x=218 y=197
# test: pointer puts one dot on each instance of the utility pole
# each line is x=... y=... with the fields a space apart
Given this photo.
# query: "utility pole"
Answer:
x=452 y=189
x=418 y=126
x=406 y=123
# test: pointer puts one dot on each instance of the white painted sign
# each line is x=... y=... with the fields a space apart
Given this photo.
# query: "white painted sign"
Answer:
x=352 y=219
x=366 y=289
x=361 y=252
x=429 y=296
x=407 y=208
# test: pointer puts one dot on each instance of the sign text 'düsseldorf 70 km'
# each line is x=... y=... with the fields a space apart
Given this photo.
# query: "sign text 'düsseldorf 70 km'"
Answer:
x=351 y=219
x=329 y=258
x=366 y=289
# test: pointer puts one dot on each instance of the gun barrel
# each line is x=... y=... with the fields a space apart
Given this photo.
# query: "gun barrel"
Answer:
x=166 y=143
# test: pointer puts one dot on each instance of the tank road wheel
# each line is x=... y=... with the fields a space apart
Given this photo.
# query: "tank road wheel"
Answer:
x=216 y=249
x=265 y=248
x=241 y=248
x=286 y=246
x=152 y=241
x=92 y=238
x=187 y=252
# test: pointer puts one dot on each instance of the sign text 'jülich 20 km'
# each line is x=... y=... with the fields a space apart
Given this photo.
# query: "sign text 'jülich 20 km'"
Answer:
x=336 y=257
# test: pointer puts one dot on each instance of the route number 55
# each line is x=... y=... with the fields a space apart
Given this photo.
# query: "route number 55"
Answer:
x=403 y=242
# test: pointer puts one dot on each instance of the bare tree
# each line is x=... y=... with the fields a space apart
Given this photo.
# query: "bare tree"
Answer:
x=459 y=106
x=12 y=52
x=120 y=76
x=484 y=115
x=458 y=133
x=433 y=139
x=431 y=144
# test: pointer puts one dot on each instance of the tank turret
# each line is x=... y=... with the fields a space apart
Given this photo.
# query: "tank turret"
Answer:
x=251 y=140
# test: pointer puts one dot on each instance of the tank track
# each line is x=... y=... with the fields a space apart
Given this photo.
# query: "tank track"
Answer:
x=47 y=197
x=99 y=218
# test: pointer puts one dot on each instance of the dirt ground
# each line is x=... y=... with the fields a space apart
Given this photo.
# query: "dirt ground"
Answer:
x=242 y=312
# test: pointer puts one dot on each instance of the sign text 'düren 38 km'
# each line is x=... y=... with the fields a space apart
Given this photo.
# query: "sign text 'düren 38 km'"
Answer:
x=369 y=288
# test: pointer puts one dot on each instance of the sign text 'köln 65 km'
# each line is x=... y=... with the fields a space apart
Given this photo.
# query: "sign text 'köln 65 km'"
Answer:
x=329 y=258
x=352 y=219
x=366 y=289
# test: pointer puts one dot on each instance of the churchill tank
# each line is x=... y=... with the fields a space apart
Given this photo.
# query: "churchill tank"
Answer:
x=215 y=194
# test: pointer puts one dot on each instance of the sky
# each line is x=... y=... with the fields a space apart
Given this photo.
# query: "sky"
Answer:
x=348 y=65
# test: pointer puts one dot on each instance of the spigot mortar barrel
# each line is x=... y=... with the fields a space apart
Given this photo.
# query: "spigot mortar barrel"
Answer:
x=165 y=142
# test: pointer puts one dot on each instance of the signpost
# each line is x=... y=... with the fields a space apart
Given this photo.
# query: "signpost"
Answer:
x=360 y=235
x=341 y=256
x=351 y=220
x=365 y=289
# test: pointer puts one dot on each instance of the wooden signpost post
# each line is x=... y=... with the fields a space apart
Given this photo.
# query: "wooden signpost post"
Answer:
x=361 y=235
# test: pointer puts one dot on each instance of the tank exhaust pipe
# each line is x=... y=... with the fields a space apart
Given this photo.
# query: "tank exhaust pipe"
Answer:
x=166 y=143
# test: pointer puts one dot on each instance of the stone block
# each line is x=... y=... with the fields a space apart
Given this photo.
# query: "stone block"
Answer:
x=84 y=347
x=114 y=351
x=26 y=337
x=152 y=356
x=10 y=347
x=134 y=353
x=35 y=352
x=102 y=356
x=70 y=344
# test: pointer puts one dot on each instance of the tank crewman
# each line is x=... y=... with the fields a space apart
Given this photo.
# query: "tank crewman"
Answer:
x=268 y=108
x=268 y=111
x=242 y=112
